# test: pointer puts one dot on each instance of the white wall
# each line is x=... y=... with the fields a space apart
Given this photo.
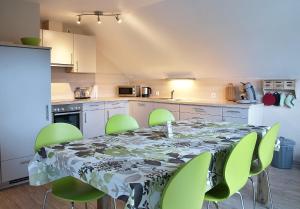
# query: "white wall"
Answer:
x=18 y=19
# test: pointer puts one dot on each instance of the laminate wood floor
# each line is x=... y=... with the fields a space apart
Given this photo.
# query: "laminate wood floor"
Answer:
x=285 y=185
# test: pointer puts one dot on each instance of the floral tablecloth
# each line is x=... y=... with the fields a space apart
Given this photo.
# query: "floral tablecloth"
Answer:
x=136 y=165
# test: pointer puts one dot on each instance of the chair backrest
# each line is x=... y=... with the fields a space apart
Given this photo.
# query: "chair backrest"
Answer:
x=238 y=163
x=267 y=145
x=160 y=116
x=120 y=123
x=187 y=186
x=56 y=133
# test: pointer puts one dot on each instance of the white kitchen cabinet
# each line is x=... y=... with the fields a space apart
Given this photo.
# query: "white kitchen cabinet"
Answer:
x=61 y=47
x=251 y=115
x=93 y=119
x=203 y=110
x=173 y=108
x=235 y=120
x=115 y=108
x=84 y=54
x=140 y=111
x=205 y=113
x=209 y=118
x=15 y=169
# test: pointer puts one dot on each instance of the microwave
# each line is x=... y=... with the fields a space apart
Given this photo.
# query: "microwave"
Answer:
x=129 y=91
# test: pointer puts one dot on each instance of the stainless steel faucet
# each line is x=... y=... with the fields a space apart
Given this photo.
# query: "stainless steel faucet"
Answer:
x=172 y=94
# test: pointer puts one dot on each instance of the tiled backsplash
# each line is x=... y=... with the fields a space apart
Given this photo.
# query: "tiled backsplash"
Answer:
x=203 y=89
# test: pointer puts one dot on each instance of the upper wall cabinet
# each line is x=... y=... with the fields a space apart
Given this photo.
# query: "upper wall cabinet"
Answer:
x=84 y=54
x=62 y=47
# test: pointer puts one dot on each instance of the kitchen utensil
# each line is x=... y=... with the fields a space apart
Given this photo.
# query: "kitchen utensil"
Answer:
x=230 y=92
x=248 y=94
x=32 y=41
x=146 y=91
x=82 y=93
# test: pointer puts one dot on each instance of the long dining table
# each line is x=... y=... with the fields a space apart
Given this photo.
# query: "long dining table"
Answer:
x=135 y=166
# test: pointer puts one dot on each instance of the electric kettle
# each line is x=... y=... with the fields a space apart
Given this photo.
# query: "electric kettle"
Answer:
x=146 y=91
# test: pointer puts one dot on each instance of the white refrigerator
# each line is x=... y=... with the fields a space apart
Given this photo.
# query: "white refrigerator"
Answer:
x=25 y=107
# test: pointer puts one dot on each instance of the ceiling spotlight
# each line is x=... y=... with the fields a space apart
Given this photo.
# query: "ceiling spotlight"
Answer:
x=119 y=20
x=98 y=19
x=79 y=19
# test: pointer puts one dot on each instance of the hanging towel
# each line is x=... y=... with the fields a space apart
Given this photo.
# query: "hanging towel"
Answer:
x=282 y=99
x=277 y=98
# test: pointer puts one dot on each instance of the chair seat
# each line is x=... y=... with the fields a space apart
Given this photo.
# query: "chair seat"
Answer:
x=73 y=190
x=217 y=194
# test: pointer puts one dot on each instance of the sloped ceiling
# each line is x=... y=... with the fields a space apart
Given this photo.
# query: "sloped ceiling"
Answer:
x=198 y=38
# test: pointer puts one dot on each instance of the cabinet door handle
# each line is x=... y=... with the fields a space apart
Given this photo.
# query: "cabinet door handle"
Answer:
x=107 y=114
x=47 y=112
x=94 y=105
x=85 y=117
x=24 y=162
x=233 y=111
x=199 y=110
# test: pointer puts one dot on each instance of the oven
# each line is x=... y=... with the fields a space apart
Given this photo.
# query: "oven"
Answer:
x=68 y=113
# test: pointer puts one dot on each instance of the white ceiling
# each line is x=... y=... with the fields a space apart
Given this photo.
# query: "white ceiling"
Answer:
x=201 y=38
x=66 y=10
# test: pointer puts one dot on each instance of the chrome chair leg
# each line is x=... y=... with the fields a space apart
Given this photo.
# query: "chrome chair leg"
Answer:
x=269 y=189
x=208 y=205
x=216 y=204
x=242 y=201
x=115 y=204
x=86 y=205
x=254 y=192
x=72 y=205
x=45 y=198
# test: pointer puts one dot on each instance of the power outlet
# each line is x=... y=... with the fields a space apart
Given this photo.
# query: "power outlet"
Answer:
x=157 y=93
x=213 y=95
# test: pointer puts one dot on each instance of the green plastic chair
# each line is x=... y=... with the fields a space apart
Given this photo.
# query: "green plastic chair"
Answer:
x=159 y=117
x=120 y=123
x=236 y=171
x=265 y=156
x=187 y=186
x=67 y=188
x=57 y=133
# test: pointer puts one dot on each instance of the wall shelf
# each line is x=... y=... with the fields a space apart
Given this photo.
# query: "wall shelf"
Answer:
x=280 y=86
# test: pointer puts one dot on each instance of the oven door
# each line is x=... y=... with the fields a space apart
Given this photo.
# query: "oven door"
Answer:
x=73 y=118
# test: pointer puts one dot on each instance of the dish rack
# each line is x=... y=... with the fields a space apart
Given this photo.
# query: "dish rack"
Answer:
x=286 y=86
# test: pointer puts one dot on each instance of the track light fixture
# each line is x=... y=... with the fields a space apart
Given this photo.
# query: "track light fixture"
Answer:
x=100 y=13
x=98 y=19
x=119 y=20
x=79 y=19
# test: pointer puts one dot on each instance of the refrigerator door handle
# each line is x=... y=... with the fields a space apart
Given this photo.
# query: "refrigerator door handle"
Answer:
x=47 y=112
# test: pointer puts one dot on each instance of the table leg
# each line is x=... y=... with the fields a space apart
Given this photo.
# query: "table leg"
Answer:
x=262 y=195
x=104 y=203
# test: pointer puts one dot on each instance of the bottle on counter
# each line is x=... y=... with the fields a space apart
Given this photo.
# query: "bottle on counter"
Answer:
x=169 y=129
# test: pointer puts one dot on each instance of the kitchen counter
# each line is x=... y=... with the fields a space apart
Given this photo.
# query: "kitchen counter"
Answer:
x=159 y=100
